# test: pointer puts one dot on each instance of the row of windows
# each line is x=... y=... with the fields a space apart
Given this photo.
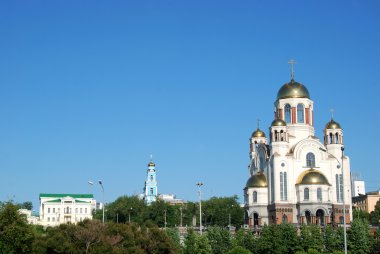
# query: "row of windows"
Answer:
x=300 y=113
x=306 y=194
x=67 y=210
x=53 y=219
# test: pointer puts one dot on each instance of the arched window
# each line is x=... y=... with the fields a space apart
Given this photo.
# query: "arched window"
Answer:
x=254 y=197
x=275 y=136
x=336 y=138
x=284 y=218
x=306 y=194
x=310 y=160
x=341 y=220
x=300 y=114
x=339 y=187
x=282 y=135
x=287 y=114
x=319 y=194
x=283 y=186
x=331 y=138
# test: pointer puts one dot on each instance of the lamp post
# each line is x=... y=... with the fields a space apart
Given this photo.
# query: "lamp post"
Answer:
x=101 y=185
x=165 y=218
x=129 y=214
x=180 y=209
x=344 y=194
x=200 y=184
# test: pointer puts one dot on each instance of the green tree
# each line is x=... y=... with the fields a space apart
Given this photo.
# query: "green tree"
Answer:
x=374 y=217
x=360 y=214
x=245 y=239
x=126 y=207
x=359 y=237
x=239 y=250
x=219 y=211
x=311 y=238
x=219 y=239
x=332 y=239
x=376 y=242
x=16 y=236
x=196 y=244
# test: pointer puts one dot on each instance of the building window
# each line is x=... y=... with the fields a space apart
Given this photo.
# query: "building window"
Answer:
x=53 y=219
x=339 y=187
x=151 y=177
x=306 y=194
x=341 y=220
x=48 y=210
x=310 y=160
x=284 y=218
x=76 y=210
x=85 y=210
x=151 y=191
x=81 y=210
x=336 y=138
x=300 y=113
x=331 y=138
x=287 y=113
x=254 y=197
x=319 y=194
x=53 y=210
x=283 y=186
x=48 y=219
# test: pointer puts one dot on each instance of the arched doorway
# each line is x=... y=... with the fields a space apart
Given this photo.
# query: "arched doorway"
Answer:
x=284 y=218
x=255 y=219
x=320 y=214
x=308 y=217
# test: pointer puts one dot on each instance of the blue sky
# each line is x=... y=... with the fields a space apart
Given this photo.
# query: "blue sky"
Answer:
x=89 y=89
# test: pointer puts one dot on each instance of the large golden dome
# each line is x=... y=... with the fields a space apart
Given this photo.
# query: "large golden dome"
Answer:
x=257 y=180
x=332 y=125
x=278 y=122
x=293 y=89
x=258 y=134
x=312 y=176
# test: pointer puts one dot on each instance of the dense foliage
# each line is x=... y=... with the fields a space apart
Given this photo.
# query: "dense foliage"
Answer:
x=146 y=233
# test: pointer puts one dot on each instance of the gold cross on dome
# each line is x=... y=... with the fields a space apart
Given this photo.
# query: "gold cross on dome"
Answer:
x=258 y=123
x=292 y=63
x=332 y=113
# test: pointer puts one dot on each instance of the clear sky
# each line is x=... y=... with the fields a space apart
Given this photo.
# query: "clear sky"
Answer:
x=89 y=89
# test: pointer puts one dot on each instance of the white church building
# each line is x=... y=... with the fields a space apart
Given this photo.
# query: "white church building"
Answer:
x=294 y=176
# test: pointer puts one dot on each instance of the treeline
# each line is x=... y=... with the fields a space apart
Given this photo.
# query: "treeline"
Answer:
x=91 y=236
x=217 y=211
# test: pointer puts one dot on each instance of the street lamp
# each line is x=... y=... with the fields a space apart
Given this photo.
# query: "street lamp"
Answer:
x=129 y=215
x=200 y=184
x=344 y=194
x=101 y=185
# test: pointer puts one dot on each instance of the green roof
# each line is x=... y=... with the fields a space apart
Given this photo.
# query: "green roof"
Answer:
x=45 y=195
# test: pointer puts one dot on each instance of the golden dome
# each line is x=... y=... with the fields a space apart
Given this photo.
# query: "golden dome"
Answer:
x=332 y=125
x=278 y=122
x=257 y=180
x=151 y=164
x=312 y=176
x=293 y=89
x=258 y=134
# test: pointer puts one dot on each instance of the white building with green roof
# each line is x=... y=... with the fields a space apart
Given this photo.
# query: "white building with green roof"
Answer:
x=56 y=209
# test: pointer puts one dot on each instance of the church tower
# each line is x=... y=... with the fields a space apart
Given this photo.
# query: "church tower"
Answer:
x=150 y=188
x=293 y=176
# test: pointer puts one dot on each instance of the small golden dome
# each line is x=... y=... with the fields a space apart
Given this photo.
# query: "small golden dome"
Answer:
x=257 y=180
x=151 y=164
x=258 y=134
x=278 y=122
x=312 y=176
x=332 y=125
x=293 y=89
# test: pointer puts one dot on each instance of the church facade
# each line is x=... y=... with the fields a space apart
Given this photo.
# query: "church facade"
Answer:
x=293 y=176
